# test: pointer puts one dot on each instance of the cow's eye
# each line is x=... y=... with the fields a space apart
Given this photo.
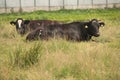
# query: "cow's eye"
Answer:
x=21 y=24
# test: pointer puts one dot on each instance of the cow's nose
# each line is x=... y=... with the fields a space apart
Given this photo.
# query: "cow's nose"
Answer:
x=98 y=34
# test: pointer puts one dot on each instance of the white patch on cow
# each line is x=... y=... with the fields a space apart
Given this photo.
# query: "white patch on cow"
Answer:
x=86 y=26
x=19 y=23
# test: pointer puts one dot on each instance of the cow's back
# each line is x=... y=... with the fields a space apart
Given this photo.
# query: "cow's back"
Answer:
x=41 y=23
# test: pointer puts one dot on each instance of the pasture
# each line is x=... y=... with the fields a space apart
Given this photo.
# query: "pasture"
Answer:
x=60 y=59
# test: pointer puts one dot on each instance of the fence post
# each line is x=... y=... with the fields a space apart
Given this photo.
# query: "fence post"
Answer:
x=77 y=4
x=20 y=10
x=49 y=5
x=63 y=4
x=34 y=4
x=5 y=6
x=106 y=3
x=92 y=3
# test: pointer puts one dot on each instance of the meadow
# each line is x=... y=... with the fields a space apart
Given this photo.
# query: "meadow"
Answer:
x=59 y=59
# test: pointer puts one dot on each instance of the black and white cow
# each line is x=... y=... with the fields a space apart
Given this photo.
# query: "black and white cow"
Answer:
x=24 y=26
x=75 y=31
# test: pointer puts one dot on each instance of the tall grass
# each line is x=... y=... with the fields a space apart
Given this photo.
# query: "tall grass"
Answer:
x=60 y=59
x=25 y=58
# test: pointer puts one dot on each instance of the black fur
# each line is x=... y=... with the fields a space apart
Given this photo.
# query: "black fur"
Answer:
x=75 y=31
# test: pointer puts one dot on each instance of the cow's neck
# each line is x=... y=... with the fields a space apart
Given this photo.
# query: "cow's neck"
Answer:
x=27 y=28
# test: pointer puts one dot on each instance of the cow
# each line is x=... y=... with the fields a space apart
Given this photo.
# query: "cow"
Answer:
x=36 y=34
x=24 y=26
x=74 y=31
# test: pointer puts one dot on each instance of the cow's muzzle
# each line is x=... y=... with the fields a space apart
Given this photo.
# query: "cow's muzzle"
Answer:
x=97 y=35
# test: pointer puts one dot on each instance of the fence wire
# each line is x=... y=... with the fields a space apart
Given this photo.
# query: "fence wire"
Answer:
x=19 y=5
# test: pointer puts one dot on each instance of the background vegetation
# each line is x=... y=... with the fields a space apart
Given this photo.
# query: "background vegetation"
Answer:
x=60 y=59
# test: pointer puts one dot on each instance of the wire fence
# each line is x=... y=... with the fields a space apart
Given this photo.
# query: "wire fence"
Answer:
x=32 y=5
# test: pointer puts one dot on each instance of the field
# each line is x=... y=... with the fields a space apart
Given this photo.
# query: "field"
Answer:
x=61 y=59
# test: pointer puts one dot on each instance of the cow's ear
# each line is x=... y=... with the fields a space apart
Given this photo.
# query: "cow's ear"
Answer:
x=102 y=23
x=12 y=22
x=26 y=21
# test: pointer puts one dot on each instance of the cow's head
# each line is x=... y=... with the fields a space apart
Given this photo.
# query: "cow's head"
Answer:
x=21 y=25
x=93 y=27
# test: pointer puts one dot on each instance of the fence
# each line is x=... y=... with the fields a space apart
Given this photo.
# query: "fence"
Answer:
x=7 y=6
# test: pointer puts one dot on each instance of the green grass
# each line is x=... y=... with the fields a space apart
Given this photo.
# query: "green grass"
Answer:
x=61 y=59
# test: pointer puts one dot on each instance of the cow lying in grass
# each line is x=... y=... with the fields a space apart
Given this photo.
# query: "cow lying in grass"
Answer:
x=24 y=26
x=75 y=31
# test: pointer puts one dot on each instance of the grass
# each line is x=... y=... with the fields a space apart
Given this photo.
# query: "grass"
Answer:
x=26 y=58
x=61 y=59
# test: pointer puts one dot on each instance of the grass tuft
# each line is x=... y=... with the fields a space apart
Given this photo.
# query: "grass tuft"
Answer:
x=26 y=58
